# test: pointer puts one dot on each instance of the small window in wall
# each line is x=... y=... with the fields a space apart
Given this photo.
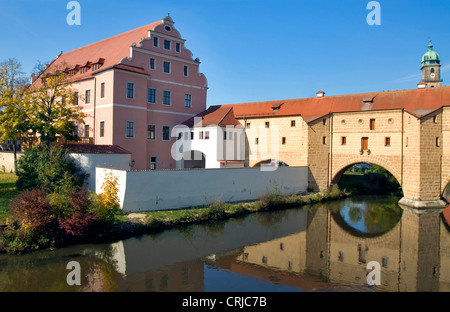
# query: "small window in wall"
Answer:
x=102 y=129
x=152 y=63
x=200 y=135
x=102 y=90
x=435 y=119
x=166 y=133
x=267 y=124
x=206 y=135
x=167 y=44
x=186 y=71
x=283 y=140
x=155 y=41
x=324 y=122
x=129 y=130
x=166 y=97
x=387 y=141
x=248 y=125
x=365 y=143
x=292 y=123
x=188 y=100
x=166 y=67
x=343 y=140
x=151 y=132
x=151 y=95
x=86 y=131
x=192 y=135
x=372 y=124
x=438 y=143
x=87 y=96
x=324 y=140
x=153 y=163
x=75 y=98
x=178 y=47
x=256 y=141
x=130 y=90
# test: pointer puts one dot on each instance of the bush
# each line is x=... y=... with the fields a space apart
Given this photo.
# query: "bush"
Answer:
x=46 y=168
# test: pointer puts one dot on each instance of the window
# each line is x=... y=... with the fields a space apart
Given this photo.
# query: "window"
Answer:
x=192 y=135
x=267 y=124
x=155 y=42
x=75 y=98
x=152 y=63
x=187 y=100
x=186 y=71
x=343 y=140
x=166 y=97
x=292 y=123
x=130 y=90
x=248 y=125
x=406 y=142
x=102 y=129
x=206 y=135
x=256 y=141
x=153 y=163
x=200 y=135
x=102 y=90
x=151 y=95
x=87 y=97
x=364 y=143
x=435 y=119
x=437 y=142
x=166 y=133
x=372 y=124
x=387 y=141
x=283 y=140
x=324 y=122
x=129 y=132
x=177 y=47
x=324 y=140
x=166 y=67
x=151 y=132
x=86 y=131
x=167 y=44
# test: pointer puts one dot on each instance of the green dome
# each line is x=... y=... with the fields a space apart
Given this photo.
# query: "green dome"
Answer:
x=431 y=57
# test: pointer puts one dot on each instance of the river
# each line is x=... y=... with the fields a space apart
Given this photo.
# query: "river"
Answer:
x=326 y=247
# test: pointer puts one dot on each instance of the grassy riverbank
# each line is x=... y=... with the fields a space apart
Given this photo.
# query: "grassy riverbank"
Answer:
x=135 y=224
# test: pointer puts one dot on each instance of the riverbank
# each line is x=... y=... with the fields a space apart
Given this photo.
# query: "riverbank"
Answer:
x=136 y=224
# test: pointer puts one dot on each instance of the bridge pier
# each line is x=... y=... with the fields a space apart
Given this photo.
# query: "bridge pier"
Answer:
x=420 y=205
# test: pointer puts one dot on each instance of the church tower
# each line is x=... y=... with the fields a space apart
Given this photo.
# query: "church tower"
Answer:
x=431 y=69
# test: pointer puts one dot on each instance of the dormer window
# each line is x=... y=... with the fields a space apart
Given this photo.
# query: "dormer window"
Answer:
x=276 y=107
x=96 y=66
x=84 y=69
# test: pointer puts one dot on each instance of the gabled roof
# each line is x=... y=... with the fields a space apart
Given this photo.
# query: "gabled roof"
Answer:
x=214 y=116
x=419 y=102
x=108 y=52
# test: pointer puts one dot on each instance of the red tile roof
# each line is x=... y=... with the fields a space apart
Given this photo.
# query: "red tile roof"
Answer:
x=110 y=51
x=95 y=149
x=418 y=102
x=214 y=115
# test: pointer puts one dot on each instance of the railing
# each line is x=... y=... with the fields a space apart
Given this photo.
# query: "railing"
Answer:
x=29 y=142
x=83 y=140
x=361 y=151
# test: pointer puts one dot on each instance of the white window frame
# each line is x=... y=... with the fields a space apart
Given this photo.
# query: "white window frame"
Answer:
x=156 y=98
x=170 y=45
x=150 y=63
x=134 y=91
x=190 y=100
x=187 y=71
x=157 y=42
x=126 y=129
x=90 y=96
x=104 y=93
x=170 y=67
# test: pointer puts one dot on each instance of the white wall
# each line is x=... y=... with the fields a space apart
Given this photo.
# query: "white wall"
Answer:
x=172 y=189
x=88 y=162
x=7 y=161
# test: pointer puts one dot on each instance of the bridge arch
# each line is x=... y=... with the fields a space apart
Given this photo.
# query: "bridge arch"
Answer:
x=341 y=167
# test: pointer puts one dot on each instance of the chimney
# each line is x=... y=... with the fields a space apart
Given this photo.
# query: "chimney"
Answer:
x=33 y=77
x=320 y=93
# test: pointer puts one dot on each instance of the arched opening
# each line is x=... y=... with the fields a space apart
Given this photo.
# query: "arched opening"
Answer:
x=367 y=179
x=270 y=162
x=194 y=160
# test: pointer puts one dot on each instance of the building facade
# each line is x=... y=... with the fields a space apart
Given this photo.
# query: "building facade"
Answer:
x=406 y=132
x=135 y=87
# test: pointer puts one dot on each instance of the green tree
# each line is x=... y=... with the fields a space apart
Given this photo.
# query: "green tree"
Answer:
x=13 y=116
x=52 y=102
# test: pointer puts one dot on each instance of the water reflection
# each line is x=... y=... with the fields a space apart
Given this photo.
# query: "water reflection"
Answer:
x=307 y=249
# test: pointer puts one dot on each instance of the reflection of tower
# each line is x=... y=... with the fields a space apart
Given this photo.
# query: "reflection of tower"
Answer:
x=431 y=69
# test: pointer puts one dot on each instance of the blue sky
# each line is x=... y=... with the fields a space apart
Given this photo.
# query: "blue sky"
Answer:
x=253 y=50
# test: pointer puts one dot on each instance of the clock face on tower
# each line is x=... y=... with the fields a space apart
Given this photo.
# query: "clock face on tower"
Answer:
x=433 y=75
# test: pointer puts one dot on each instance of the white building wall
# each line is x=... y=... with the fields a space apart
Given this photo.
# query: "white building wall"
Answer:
x=161 y=189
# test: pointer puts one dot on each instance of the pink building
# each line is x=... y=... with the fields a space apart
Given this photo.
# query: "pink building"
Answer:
x=135 y=87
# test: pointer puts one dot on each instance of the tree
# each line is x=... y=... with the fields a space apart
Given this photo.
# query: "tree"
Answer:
x=53 y=104
x=12 y=111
